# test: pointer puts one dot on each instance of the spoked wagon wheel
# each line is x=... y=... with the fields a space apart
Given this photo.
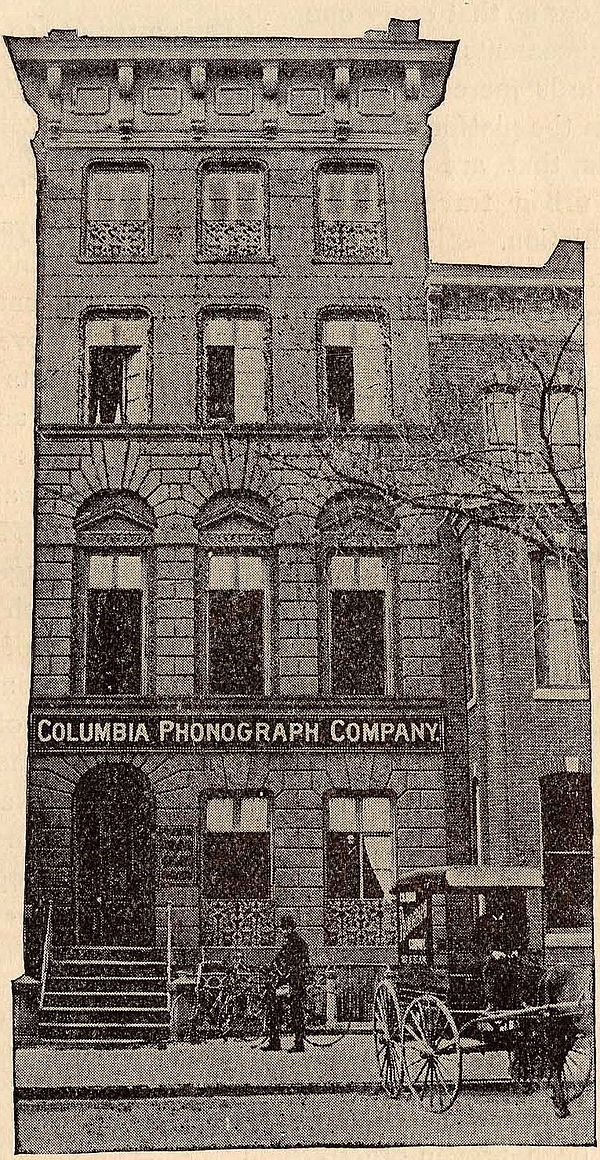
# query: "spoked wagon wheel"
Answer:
x=387 y=1022
x=579 y=1060
x=569 y=1033
x=431 y=1053
x=577 y=1066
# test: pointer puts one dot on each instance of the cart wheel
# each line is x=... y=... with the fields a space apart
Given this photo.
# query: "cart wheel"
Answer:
x=431 y=1053
x=386 y=1028
x=577 y=1067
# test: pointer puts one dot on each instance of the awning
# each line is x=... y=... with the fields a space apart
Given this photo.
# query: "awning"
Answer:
x=437 y=879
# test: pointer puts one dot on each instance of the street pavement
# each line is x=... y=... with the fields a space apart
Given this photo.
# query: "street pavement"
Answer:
x=222 y=1094
x=215 y=1065
x=277 y=1120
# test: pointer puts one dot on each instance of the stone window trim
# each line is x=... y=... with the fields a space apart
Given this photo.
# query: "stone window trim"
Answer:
x=355 y=314
x=135 y=165
x=124 y=314
x=378 y=224
x=231 y=313
x=236 y=797
x=81 y=559
x=495 y=434
x=392 y=641
x=358 y=798
x=571 y=845
x=269 y=557
x=229 y=164
x=469 y=633
x=552 y=620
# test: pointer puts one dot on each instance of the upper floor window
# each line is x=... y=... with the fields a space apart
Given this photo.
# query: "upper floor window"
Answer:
x=116 y=369
x=359 y=625
x=359 y=847
x=117 y=212
x=236 y=366
x=564 y=420
x=236 y=848
x=501 y=417
x=114 y=615
x=238 y=625
x=233 y=223
x=559 y=591
x=350 y=217
x=355 y=368
x=469 y=631
x=566 y=806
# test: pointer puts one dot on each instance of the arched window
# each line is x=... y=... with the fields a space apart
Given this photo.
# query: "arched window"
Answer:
x=358 y=562
x=233 y=211
x=117 y=221
x=350 y=211
x=235 y=596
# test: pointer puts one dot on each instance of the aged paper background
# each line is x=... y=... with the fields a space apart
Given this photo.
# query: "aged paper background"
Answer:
x=514 y=166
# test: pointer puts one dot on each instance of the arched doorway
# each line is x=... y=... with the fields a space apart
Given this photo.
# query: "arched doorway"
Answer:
x=114 y=818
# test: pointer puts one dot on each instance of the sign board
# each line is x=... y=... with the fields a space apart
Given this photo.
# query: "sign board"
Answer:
x=342 y=730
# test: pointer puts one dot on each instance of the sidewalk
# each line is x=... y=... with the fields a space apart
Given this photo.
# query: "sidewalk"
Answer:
x=214 y=1067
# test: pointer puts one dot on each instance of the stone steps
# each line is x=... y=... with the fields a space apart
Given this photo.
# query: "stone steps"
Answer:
x=108 y=995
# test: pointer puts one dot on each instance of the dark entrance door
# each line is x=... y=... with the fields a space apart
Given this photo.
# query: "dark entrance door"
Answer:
x=114 y=846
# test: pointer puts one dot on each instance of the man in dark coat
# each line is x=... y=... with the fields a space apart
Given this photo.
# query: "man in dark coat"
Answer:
x=287 y=977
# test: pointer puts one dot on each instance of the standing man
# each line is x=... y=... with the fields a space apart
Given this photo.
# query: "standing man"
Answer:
x=287 y=977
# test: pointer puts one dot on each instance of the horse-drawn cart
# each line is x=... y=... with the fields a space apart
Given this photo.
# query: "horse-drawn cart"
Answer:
x=542 y=1016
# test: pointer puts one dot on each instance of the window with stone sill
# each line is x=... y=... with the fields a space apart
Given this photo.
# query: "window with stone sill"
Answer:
x=360 y=636
x=560 y=621
x=117 y=223
x=236 y=848
x=502 y=416
x=354 y=359
x=350 y=214
x=566 y=812
x=233 y=212
x=115 y=371
x=564 y=417
x=238 y=625
x=114 y=623
x=236 y=366
x=469 y=632
x=359 y=870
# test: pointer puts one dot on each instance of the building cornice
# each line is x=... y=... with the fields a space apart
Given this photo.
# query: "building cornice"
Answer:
x=180 y=49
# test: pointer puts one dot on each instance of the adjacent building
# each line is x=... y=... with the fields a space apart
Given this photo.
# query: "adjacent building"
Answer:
x=310 y=584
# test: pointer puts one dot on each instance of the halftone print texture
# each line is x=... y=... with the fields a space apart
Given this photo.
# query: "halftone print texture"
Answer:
x=309 y=836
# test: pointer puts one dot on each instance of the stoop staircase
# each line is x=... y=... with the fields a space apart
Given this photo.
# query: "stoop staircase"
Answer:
x=105 y=996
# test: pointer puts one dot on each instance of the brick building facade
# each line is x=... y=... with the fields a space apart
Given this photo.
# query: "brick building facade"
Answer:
x=284 y=642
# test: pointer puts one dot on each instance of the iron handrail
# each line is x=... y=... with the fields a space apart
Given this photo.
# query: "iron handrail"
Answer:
x=169 y=950
x=46 y=953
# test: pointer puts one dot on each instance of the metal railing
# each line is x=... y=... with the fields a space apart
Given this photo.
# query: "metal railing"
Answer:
x=169 y=950
x=46 y=953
